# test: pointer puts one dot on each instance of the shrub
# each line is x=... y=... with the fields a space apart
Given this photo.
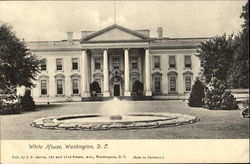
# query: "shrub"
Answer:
x=9 y=104
x=95 y=88
x=244 y=107
x=138 y=88
x=197 y=94
x=217 y=97
x=27 y=103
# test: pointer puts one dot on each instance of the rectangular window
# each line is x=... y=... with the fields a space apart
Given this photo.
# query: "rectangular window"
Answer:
x=172 y=84
x=75 y=64
x=188 y=83
x=44 y=66
x=75 y=86
x=134 y=63
x=59 y=85
x=157 y=84
x=157 y=62
x=172 y=62
x=43 y=87
x=97 y=63
x=58 y=64
x=116 y=63
x=188 y=62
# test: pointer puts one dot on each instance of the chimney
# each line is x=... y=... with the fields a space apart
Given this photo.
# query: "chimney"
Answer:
x=70 y=36
x=159 y=31
x=84 y=33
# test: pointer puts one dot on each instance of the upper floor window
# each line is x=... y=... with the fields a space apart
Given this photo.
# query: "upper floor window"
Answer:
x=157 y=62
x=188 y=62
x=59 y=64
x=116 y=63
x=74 y=63
x=172 y=62
x=97 y=63
x=44 y=89
x=134 y=63
x=43 y=65
x=188 y=83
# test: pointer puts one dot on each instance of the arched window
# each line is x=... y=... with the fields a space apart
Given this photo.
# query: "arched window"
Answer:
x=44 y=85
x=187 y=76
x=172 y=81
x=75 y=84
x=59 y=78
x=157 y=76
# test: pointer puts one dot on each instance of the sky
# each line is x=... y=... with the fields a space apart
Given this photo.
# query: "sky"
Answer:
x=50 y=20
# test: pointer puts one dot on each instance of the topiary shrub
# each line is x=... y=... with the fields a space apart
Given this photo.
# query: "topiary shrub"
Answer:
x=217 y=97
x=27 y=103
x=197 y=94
x=138 y=88
x=95 y=88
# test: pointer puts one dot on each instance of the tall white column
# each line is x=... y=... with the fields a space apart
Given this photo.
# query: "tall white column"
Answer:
x=106 y=92
x=147 y=73
x=88 y=74
x=84 y=78
x=126 y=73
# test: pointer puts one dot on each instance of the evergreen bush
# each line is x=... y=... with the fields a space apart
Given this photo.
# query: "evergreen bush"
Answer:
x=27 y=103
x=197 y=94
x=138 y=88
x=217 y=97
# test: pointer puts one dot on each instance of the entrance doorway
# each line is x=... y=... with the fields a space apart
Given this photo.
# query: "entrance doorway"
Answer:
x=116 y=89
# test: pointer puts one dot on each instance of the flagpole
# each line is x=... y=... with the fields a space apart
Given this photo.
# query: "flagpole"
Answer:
x=115 y=11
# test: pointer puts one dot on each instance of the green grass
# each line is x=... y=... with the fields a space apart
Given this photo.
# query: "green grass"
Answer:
x=212 y=125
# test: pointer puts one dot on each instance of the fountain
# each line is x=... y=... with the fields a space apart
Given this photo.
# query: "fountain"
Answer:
x=114 y=115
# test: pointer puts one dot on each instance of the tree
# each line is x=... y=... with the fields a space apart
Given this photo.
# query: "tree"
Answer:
x=18 y=66
x=215 y=55
x=245 y=16
x=239 y=72
x=197 y=94
x=217 y=97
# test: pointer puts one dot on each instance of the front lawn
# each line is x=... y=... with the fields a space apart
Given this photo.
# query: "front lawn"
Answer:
x=212 y=125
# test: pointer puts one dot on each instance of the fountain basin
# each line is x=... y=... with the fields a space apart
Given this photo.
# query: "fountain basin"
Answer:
x=100 y=122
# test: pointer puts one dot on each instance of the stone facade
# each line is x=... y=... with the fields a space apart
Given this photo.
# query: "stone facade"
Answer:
x=111 y=61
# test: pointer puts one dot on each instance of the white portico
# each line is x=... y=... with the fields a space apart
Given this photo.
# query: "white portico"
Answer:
x=115 y=46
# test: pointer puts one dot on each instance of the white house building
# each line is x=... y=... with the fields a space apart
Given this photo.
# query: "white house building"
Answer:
x=114 y=60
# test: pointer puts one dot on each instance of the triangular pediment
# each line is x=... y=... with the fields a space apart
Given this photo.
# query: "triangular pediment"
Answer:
x=115 y=33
